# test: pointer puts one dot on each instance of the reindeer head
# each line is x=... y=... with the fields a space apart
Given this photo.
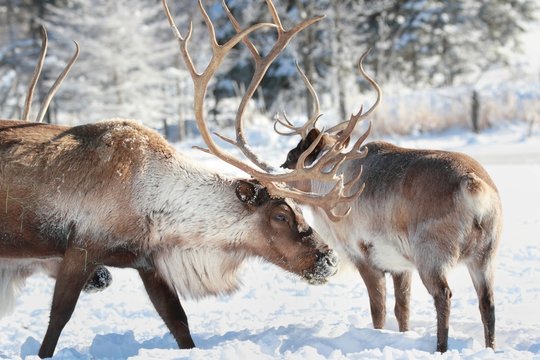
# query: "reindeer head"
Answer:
x=283 y=236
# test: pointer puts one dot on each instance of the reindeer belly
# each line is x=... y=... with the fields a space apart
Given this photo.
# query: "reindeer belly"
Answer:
x=387 y=254
x=13 y=273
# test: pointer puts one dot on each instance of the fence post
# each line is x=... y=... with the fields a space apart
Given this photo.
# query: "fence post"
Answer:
x=475 y=112
x=166 y=131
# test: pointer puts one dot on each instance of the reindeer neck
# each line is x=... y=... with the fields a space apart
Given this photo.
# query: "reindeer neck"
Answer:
x=194 y=202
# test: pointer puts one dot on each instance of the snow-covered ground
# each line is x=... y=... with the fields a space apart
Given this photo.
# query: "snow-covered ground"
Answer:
x=277 y=316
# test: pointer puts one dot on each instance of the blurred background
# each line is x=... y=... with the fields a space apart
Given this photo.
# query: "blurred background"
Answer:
x=468 y=64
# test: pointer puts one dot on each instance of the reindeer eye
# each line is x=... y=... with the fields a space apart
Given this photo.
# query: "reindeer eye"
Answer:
x=281 y=217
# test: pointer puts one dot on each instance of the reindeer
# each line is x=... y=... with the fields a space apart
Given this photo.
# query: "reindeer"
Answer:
x=420 y=209
x=115 y=193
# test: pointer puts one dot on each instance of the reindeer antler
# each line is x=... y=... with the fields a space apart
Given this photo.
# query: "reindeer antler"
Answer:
x=54 y=88
x=37 y=72
x=276 y=183
x=334 y=157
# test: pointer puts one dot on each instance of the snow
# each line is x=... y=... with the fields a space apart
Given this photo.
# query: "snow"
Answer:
x=277 y=316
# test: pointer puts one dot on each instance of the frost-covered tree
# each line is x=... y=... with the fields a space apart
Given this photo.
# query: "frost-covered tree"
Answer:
x=415 y=42
x=126 y=67
x=130 y=65
x=434 y=42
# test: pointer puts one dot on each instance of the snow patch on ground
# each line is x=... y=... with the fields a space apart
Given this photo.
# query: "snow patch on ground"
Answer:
x=277 y=316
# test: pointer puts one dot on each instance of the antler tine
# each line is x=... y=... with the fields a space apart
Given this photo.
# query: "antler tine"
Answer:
x=351 y=124
x=337 y=197
x=285 y=122
x=182 y=41
x=54 y=88
x=236 y=25
x=312 y=121
x=275 y=15
x=37 y=73
x=331 y=161
x=351 y=199
x=316 y=112
x=209 y=25
x=361 y=139
x=372 y=82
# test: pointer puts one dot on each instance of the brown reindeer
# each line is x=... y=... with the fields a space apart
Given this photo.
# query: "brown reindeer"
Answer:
x=115 y=193
x=420 y=209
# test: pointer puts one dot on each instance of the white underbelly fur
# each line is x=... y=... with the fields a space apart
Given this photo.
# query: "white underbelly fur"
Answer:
x=13 y=274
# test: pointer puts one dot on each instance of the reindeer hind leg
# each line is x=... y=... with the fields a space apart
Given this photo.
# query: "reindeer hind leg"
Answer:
x=482 y=277
x=438 y=288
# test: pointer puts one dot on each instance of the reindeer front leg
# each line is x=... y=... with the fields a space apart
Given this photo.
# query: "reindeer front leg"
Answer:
x=73 y=273
x=168 y=306
x=376 y=286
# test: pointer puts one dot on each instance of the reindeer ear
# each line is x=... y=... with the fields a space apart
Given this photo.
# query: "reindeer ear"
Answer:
x=312 y=135
x=310 y=139
x=251 y=192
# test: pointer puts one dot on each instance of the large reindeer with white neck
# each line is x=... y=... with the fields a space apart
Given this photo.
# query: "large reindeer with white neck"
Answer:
x=419 y=209
x=117 y=194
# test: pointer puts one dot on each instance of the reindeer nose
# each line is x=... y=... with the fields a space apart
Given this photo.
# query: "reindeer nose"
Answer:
x=328 y=258
x=326 y=265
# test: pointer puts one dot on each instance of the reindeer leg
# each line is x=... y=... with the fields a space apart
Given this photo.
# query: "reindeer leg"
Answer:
x=402 y=292
x=376 y=286
x=73 y=272
x=482 y=277
x=437 y=286
x=168 y=306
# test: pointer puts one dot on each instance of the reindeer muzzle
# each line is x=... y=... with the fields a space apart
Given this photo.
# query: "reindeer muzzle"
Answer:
x=325 y=266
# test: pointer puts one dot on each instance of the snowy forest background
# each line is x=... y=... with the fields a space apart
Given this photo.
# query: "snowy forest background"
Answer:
x=441 y=64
